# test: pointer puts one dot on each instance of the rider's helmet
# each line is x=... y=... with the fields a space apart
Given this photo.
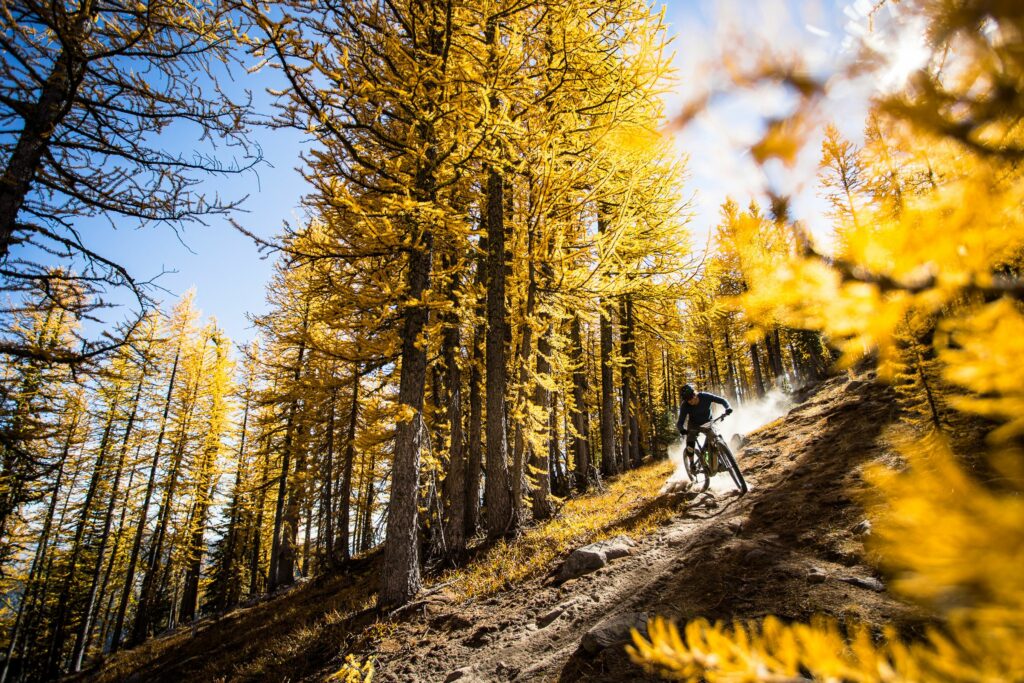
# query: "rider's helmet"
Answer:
x=687 y=392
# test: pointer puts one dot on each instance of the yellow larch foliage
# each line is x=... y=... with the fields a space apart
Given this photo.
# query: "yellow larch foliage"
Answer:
x=969 y=573
x=930 y=237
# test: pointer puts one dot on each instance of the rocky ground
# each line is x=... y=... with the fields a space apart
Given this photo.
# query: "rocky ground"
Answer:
x=793 y=546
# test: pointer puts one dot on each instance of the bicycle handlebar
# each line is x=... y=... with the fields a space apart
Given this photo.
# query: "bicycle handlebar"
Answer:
x=717 y=419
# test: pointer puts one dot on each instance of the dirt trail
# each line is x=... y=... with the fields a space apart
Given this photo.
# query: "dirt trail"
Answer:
x=790 y=547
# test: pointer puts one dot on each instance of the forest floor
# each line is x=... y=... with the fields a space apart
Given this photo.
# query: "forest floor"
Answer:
x=792 y=547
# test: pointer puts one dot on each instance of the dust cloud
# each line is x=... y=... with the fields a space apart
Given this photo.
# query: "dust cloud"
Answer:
x=744 y=420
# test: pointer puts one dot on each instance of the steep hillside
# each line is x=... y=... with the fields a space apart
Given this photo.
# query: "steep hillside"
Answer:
x=792 y=547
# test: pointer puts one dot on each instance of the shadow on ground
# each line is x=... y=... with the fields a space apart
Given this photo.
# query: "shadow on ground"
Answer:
x=798 y=517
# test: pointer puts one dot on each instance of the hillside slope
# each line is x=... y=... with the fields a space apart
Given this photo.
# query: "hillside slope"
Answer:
x=793 y=546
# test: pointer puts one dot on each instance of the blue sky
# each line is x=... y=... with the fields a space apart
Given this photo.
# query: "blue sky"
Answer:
x=229 y=274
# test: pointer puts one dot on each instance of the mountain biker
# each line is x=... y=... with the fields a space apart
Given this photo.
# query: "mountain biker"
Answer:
x=695 y=411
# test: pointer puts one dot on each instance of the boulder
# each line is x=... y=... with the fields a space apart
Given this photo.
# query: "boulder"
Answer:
x=613 y=631
x=592 y=557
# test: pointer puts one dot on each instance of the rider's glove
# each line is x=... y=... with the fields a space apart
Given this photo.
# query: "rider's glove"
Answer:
x=728 y=411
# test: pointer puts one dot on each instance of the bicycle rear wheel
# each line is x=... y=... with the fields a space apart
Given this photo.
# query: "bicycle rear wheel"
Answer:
x=729 y=460
x=697 y=470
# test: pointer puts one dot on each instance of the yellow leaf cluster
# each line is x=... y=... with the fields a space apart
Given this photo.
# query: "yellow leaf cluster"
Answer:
x=353 y=671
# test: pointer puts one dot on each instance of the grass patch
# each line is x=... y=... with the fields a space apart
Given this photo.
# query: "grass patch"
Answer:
x=628 y=505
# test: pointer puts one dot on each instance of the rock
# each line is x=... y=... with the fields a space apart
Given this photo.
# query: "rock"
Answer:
x=594 y=556
x=737 y=441
x=854 y=385
x=735 y=525
x=544 y=620
x=863 y=528
x=869 y=582
x=677 y=538
x=613 y=631
x=816 y=575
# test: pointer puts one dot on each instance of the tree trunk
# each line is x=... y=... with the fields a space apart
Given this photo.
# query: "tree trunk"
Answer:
x=204 y=492
x=608 y=463
x=30 y=591
x=325 y=532
x=401 y=567
x=345 y=494
x=55 y=662
x=580 y=423
x=630 y=427
x=254 y=559
x=282 y=550
x=85 y=629
x=150 y=590
x=366 y=536
x=539 y=462
x=53 y=104
x=519 y=381
x=455 y=481
x=755 y=359
x=497 y=489
x=133 y=558
x=475 y=458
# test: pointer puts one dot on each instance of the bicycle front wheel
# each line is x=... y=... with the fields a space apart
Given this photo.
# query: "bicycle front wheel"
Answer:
x=729 y=461
x=696 y=469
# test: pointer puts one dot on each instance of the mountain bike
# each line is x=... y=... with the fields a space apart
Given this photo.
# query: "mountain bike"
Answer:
x=711 y=457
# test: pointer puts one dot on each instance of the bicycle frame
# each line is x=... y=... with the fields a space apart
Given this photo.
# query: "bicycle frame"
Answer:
x=703 y=462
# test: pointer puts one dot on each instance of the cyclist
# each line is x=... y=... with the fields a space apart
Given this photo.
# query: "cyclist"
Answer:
x=695 y=411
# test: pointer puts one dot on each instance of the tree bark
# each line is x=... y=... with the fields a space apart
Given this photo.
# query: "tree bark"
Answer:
x=133 y=558
x=540 y=464
x=455 y=481
x=31 y=588
x=608 y=461
x=282 y=550
x=254 y=558
x=401 y=574
x=580 y=421
x=630 y=427
x=53 y=104
x=345 y=494
x=85 y=629
x=755 y=359
x=62 y=615
x=497 y=488
x=149 y=591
